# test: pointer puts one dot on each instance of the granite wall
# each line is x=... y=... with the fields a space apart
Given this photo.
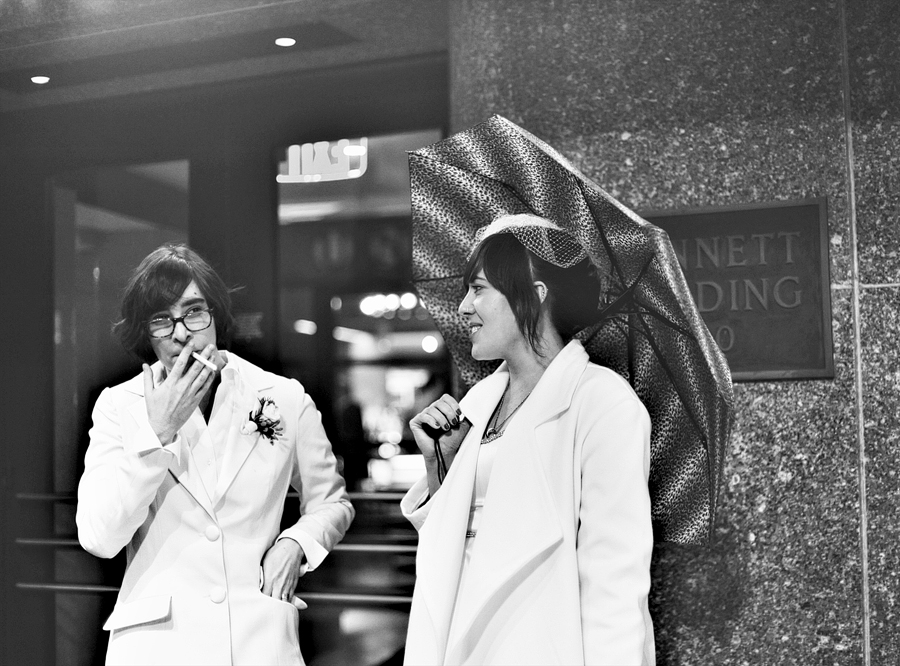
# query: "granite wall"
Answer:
x=694 y=103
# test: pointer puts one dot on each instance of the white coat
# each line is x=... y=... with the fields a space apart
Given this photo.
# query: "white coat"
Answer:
x=560 y=570
x=195 y=541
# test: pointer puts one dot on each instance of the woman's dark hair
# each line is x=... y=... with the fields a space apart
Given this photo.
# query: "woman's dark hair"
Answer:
x=157 y=283
x=573 y=294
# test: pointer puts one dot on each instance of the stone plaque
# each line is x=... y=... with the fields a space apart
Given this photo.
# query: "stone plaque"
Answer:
x=759 y=275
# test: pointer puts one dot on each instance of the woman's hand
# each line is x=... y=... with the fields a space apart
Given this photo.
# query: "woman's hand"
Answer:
x=171 y=404
x=439 y=427
x=281 y=568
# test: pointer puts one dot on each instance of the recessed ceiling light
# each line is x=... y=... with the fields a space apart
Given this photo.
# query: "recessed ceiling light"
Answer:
x=40 y=80
x=285 y=41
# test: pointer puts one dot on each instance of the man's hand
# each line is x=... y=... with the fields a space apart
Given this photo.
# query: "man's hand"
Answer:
x=171 y=404
x=281 y=567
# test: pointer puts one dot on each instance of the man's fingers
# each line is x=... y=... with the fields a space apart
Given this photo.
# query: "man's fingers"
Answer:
x=287 y=589
x=266 y=584
x=201 y=383
x=275 y=585
x=148 y=379
x=216 y=357
x=200 y=358
x=181 y=362
x=281 y=566
x=192 y=375
x=272 y=581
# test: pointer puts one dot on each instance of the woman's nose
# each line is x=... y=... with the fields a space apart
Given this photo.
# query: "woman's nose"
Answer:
x=465 y=307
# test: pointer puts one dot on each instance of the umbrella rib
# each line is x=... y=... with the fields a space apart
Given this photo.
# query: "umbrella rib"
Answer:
x=647 y=309
x=609 y=253
x=616 y=308
x=629 y=290
x=623 y=328
x=665 y=365
x=628 y=295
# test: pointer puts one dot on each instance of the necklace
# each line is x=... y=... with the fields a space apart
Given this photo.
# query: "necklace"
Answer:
x=495 y=430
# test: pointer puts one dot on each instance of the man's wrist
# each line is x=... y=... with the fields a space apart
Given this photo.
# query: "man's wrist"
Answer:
x=296 y=543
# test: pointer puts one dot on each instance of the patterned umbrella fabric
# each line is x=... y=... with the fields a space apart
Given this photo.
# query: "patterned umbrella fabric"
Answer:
x=649 y=329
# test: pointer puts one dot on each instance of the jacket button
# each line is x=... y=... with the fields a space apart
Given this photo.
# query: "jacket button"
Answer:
x=212 y=532
x=217 y=595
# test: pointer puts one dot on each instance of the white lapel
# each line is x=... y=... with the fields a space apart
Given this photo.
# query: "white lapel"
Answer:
x=250 y=384
x=520 y=524
x=198 y=439
x=182 y=466
x=442 y=538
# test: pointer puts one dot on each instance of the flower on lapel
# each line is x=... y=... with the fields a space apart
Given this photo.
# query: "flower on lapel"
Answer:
x=266 y=421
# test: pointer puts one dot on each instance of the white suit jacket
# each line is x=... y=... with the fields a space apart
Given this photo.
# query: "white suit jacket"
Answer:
x=560 y=570
x=194 y=544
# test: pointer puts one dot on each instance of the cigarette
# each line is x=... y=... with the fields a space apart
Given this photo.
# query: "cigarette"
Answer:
x=208 y=364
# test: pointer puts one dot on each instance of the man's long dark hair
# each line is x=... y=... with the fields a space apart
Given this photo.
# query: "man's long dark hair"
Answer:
x=157 y=283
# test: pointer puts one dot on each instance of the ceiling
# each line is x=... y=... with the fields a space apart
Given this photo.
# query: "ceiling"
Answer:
x=94 y=49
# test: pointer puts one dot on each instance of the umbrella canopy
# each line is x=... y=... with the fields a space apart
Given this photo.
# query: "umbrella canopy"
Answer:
x=650 y=331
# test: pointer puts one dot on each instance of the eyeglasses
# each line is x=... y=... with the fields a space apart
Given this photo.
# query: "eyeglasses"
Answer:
x=195 y=320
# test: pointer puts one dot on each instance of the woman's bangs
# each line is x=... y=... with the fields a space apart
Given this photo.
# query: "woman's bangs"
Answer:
x=473 y=265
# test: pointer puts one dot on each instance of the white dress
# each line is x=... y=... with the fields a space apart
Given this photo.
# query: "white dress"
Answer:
x=487 y=452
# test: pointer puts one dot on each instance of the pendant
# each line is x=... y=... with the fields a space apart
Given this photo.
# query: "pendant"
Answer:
x=490 y=435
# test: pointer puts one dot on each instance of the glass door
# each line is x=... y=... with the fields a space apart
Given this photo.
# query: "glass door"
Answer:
x=105 y=221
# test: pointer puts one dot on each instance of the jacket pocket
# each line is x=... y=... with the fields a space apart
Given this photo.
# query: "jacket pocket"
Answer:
x=142 y=611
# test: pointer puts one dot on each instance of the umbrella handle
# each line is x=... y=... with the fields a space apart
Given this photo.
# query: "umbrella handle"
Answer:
x=441 y=463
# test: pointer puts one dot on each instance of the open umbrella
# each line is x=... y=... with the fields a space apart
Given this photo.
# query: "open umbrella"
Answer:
x=649 y=331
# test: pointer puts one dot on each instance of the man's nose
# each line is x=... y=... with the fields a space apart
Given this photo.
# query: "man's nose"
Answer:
x=181 y=332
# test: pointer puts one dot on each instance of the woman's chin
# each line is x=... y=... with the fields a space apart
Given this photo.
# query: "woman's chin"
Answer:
x=482 y=355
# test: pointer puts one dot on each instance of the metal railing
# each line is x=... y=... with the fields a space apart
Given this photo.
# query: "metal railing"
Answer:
x=337 y=598
x=71 y=497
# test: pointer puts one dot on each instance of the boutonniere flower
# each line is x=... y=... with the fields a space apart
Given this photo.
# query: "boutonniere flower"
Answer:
x=266 y=421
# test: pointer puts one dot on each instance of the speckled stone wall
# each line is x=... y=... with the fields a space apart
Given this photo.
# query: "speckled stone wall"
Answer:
x=874 y=59
x=694 y=103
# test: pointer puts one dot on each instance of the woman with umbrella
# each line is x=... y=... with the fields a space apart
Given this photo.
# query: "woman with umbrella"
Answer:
x=534 y=517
